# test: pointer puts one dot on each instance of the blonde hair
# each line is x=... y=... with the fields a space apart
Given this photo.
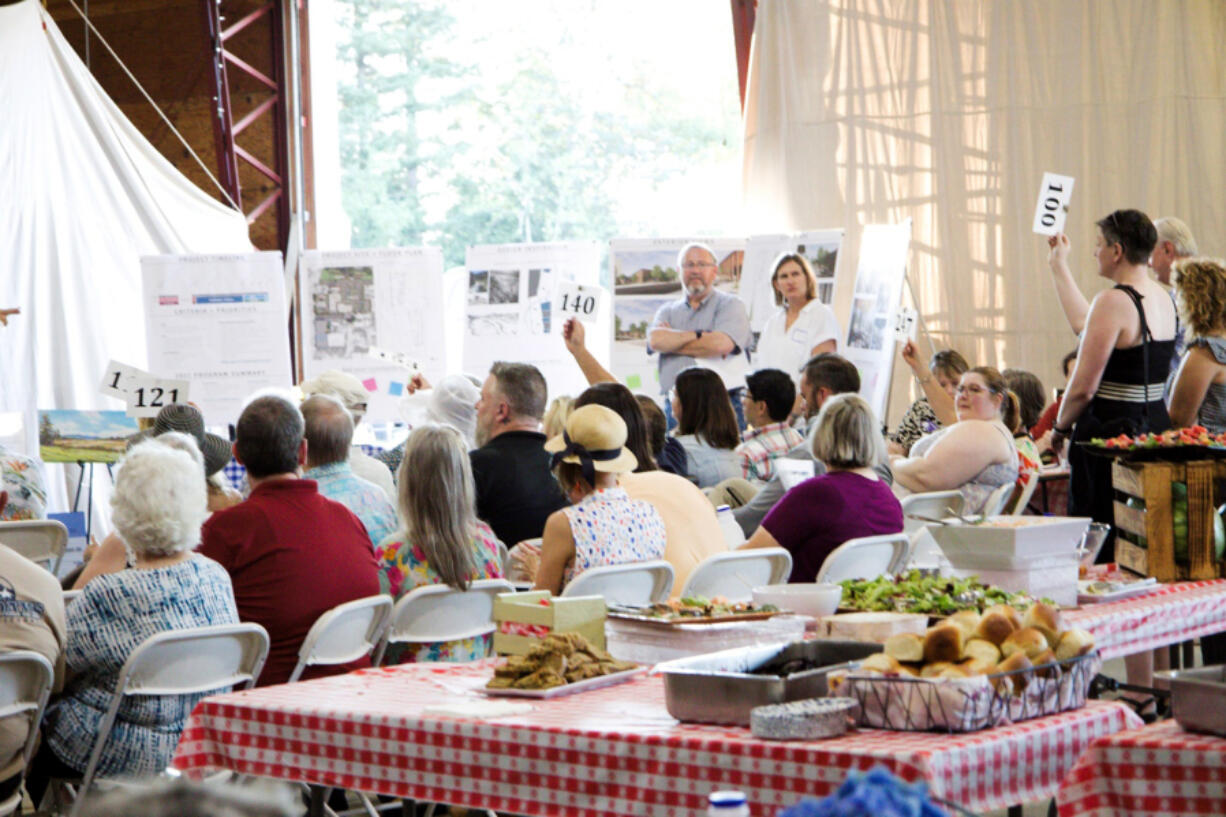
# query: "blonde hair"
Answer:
x=805 y=267
x=437 y=501
x=846 y=435
x=555 y=416
x=1179 y=234
x=1200 y=293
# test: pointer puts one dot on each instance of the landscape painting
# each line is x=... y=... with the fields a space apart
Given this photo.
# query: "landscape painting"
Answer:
x=68 y=435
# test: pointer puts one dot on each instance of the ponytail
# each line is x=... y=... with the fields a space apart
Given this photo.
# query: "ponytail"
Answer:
x=1011 y=412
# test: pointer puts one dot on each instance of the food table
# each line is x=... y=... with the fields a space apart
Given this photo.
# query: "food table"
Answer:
x=606 y=751
x=1158 y=770
x=1170 y=614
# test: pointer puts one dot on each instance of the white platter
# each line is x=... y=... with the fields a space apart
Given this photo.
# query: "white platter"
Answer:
x=1127 y=590
x=568 y=689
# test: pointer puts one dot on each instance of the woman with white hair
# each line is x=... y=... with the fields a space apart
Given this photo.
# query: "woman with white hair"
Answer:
x=158 y=506
x=452 y=402
x=353 y=396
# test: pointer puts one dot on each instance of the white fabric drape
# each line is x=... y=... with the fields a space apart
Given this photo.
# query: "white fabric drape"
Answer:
x=82 y=197
x=870 y=111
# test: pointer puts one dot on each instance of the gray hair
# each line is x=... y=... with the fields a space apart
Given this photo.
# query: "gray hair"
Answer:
x=695 y=245
x=437 y=500
x=846 y=434
x=186 y=798
x=183 y=442
x=328 y=429
x=1179 y=234
x=160 y=500
x=523 y=387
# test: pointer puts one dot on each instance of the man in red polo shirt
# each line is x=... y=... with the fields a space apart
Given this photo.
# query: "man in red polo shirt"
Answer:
x=292 y=554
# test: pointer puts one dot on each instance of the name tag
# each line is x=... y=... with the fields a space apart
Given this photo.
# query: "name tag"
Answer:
x=800 y=335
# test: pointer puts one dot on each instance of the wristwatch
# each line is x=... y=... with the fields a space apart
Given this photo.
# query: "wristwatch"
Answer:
x=697 y=334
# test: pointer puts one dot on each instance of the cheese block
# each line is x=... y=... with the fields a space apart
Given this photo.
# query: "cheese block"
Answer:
x=874 y=626
x=803 y=720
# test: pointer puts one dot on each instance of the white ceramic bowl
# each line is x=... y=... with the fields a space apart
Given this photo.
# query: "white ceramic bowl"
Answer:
x=807 y=599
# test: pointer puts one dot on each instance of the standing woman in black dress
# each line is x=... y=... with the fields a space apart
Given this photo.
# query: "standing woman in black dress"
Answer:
x=1127 y=339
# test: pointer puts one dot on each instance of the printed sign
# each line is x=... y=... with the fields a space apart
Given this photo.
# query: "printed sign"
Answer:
x=1052 y=209
x=578 y=301
x=118 y=377
x=148 y=395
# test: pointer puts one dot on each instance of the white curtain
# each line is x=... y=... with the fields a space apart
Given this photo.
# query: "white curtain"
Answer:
x=82 y=197
x=870 y=111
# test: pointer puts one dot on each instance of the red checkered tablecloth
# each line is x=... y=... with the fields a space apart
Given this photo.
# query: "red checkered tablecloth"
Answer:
x=1171 y=614
x=1160 y=769
x=607 y=751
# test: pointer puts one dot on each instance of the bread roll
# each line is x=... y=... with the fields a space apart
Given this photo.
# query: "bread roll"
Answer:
x=968 y=620
x=943 y=643
x=880 y=662
x=955 y=671
x=934 y=669
x=1008 y=612
x=981 y=650
x=1017 y=661
x=1029 y=641
x=1073 y=643
x=995 y=626
x=1046 y=619
x=905 y=647
x=912 y=669
x=979 y=666
x=1049 y=658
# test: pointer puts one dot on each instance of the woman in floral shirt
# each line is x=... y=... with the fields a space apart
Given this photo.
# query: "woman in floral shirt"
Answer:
x=441 y=540
x=23 y=478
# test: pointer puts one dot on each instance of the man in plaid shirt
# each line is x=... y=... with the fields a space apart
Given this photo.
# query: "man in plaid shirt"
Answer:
x=769 y=396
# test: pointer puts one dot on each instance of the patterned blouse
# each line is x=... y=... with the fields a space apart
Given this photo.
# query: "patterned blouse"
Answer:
x=403 y=567
x=917 y=422
x=23 y=478
x=114 y=614
x=610 y=528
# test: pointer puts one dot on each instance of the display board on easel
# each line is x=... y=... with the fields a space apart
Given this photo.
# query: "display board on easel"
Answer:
x=376 y=314
x=874 y=308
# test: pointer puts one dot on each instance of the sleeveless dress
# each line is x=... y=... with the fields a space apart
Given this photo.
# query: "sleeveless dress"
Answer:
x=975 y=492
x=610 y=528
x=1212 y=414
x=1120 y=406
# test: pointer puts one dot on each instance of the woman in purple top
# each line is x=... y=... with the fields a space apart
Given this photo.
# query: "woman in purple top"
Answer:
x=846 y=502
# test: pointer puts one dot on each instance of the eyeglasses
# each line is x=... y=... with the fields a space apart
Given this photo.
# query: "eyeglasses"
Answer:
x=974 y=389
x=693 y=265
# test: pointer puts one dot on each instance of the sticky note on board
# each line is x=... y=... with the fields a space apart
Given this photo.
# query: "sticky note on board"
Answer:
x=371 y=384
x=395 y=389
x=577 y=301
x=1052 y=208
x=117 y=379
x=148 y=395
x=633 y=381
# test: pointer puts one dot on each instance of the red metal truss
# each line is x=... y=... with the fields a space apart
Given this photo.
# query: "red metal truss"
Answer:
x=744 y=13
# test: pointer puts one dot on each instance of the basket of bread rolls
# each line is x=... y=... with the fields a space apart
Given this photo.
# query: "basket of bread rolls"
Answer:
x=974 y=671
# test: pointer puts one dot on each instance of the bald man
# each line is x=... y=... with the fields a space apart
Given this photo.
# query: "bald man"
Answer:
x=329 y=432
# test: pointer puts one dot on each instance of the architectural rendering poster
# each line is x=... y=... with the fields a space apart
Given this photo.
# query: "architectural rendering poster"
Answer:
x=218 y=321
x=820 y=247
x=874 y=307
x=645 y=277
x=510 y=310
x=358 y=308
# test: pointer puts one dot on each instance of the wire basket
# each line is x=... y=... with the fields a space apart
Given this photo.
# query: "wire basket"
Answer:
x=905 y=703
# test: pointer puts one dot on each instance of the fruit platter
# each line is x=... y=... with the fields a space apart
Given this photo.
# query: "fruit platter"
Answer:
x=1176 y=445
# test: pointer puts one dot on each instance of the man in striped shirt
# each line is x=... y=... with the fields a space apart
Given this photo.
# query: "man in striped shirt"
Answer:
x=768 y=398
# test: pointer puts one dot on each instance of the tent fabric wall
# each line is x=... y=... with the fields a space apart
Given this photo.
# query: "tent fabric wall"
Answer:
x=870 y=111
x=82 y=197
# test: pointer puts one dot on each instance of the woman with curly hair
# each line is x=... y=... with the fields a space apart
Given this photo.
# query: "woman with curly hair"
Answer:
x=1199 y=394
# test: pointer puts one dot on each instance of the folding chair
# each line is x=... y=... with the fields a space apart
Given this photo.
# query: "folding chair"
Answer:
x=634 y=584
x=344 y=634
x=40 y=540
x=736 y=573
x=866 y=557
x=25 y=684
x=436 y=612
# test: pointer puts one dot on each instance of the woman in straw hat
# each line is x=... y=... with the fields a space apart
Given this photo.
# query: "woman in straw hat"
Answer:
x=603 y=525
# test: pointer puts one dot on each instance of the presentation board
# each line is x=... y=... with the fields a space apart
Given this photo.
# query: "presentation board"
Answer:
x=820 y=247
x=645 y=277
x=874 y=308
x=511 y=310
x=219 y=322
x=356 y=306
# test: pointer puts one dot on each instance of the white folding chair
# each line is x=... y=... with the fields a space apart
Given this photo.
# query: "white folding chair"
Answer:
x=634 y=584
x=25 y=684
x=1021 y=496
x=866 y=557
x=504 y=557
x=436 y=612
x=345 y=633
x=996 y=501
x=181 y=662
x=736 y=573
x=40 y=540
x=70 y=595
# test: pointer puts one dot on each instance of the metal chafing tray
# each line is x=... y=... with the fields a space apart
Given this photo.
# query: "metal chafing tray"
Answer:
x=1198 y=698
x=719 y=687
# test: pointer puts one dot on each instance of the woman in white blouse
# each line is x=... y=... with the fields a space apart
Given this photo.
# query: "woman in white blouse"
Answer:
x=803 y=326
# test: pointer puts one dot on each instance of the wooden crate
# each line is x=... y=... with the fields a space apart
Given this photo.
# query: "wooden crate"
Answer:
x=522 y=620
x=1154 y=525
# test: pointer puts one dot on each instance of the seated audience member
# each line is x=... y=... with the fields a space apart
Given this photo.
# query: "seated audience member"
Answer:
x=1030 y=399
x=441 y=541
x=667 y=452
x=975 y=455
x=768 y=398
x=158 y=507
x=353 y=396
x=938 y=380
x=1198 y=396
x=516 y=491
x=1041 y=430
x=848 y=501
x=187 y=798
x=602 y=525
x=31 y=618
x=822 y=377
x=706 y=426
x=292 y=553
x=22 y=477
x=452 y=402
x=329 y=433
x=555 y=415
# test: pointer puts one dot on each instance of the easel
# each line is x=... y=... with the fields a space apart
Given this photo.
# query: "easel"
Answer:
x=923 y=327
x=89 y=494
